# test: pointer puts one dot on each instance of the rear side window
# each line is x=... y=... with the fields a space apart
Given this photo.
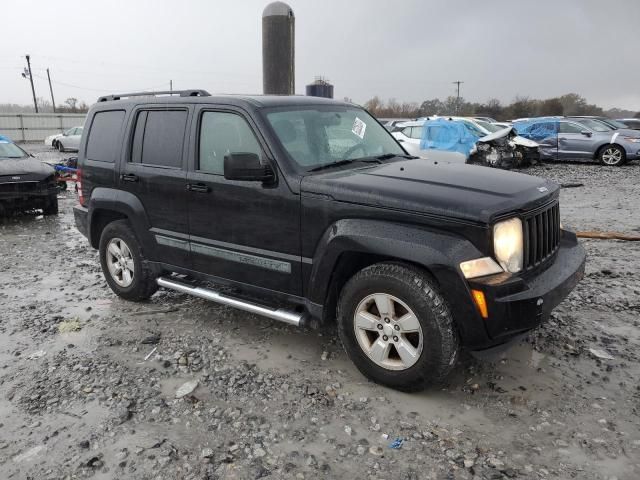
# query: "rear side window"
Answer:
x=222 y=133
x=104 y=140
x=566 y=127
x=416 y=132
x=158 y=138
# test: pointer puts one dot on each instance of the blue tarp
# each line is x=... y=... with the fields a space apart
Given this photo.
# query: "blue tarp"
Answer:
x=447 y=135
x=537 y=128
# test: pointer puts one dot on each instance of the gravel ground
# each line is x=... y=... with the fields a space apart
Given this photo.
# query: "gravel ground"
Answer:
x=89 y=382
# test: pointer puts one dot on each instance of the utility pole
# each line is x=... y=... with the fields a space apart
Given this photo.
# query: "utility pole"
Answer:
x=51 y=90
x=458 y=82
x=171 y=85
x=33 y=90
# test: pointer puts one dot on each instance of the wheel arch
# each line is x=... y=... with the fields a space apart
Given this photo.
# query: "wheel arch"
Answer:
x=605 y=145
x=351 y=245
x=107 y=205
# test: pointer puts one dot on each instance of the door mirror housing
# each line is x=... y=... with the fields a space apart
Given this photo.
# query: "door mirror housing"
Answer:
x=246 y=167
x=586 y=133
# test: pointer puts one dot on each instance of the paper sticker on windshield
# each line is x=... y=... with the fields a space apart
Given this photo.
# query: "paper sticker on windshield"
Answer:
x=359 y=127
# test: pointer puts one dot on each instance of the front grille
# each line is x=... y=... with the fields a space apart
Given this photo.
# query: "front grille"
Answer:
x=19 y=187
x=541 y=236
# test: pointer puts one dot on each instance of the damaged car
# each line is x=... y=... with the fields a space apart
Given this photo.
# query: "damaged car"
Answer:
x=464 y=140
x=25 y=183
x=505 y=149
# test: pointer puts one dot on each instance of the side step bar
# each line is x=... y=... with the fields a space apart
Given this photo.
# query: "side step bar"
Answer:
x=282 y=315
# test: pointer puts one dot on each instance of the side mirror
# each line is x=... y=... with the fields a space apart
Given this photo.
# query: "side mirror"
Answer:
x=586 y=133
x=246 y=167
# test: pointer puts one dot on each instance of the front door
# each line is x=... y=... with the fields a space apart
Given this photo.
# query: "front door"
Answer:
x=246 y=232
x=155 y=173
x=573 y=144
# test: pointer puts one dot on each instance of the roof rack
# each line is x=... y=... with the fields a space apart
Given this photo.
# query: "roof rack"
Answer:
x=182 y=93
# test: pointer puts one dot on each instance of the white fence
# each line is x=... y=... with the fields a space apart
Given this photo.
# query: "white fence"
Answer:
x=35 y=127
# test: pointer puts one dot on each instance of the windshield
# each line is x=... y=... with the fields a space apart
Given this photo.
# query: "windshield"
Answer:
x=476 y=128
x=613 y=123
x=490 y=127
x=595 y=125
x=322 y=135
x=11 y=150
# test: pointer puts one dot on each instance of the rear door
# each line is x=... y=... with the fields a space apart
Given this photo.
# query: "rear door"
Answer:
x=572 y=143
x=155 y=173
x=247 y=232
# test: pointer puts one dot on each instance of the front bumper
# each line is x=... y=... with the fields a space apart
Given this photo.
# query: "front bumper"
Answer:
x=30 y=194
x=520 y=303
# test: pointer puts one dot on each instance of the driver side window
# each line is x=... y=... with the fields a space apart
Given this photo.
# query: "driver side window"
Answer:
x=222 y=133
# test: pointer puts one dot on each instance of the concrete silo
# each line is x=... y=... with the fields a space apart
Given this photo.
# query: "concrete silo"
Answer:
x=278 y=49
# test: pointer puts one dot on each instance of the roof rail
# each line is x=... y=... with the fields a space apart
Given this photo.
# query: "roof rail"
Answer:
x=182 y=93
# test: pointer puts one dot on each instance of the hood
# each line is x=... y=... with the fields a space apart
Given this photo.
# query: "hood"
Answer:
x=30 y=167
x=513 y=136
x=465 y=192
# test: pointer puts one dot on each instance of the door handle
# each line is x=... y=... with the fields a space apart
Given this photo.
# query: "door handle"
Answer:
x=198 y=187
x=129 y=177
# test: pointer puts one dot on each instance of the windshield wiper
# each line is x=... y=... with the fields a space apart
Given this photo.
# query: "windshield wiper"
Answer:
x=378 y=159
x=388 y=156
x=345 y=162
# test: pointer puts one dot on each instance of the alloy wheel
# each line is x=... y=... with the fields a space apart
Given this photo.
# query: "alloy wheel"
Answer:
x=120 y=262
x=388 y=331
x=612 y=156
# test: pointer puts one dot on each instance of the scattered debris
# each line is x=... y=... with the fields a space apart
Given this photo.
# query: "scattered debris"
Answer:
x=29 y=454
x=37 y=354
x=609 y=236
x=601 y=354
x=150 y=353
x=155 y=311
x=67 y=326
x=187 y=388
x=397 y=443
x=153 y=339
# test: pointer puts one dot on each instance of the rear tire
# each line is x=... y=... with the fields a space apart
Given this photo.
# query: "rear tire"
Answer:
x=51 y=208
x=418 y=337
x=121 y=252
x=612 y=156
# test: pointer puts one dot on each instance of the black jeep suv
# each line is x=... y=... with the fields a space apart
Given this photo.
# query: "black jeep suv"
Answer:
x=306 y=210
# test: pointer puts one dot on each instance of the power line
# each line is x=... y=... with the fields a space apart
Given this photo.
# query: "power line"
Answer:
x=101 y=90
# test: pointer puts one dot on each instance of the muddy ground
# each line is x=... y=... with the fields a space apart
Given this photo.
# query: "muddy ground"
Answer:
x=88 y=381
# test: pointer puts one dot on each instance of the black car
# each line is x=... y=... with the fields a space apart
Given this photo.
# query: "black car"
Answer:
x=25 y=183
x=306 y=210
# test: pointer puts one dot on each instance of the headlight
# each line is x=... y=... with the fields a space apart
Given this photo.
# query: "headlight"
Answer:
x=507 y=244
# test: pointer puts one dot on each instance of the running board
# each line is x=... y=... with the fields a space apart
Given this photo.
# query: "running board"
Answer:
x=282 y=315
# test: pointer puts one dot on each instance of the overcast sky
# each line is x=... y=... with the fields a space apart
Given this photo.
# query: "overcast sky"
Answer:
x=408 y=49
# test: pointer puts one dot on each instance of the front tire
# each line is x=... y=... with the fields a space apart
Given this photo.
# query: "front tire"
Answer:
x=51 y=207
x=123 y=264
x=396 y=327
x=613 y=156
x=60 y=147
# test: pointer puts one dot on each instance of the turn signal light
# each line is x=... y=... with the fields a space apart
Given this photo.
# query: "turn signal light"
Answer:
x=481 y=303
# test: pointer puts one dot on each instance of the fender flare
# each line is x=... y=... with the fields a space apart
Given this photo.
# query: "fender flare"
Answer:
x=124 y=203
x=438 y=252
